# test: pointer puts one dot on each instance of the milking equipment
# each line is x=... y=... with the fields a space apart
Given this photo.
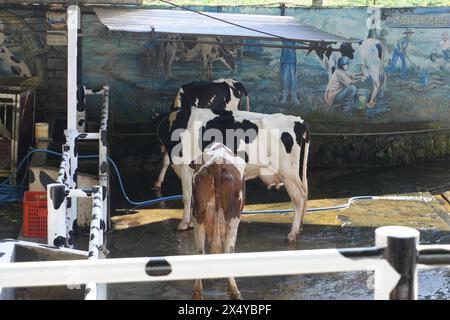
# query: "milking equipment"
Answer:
x=16 y=129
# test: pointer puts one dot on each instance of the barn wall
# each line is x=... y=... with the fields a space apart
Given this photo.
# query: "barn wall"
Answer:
x=129 y=64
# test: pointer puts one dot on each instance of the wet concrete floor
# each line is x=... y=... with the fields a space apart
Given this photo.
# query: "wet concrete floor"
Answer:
x=151 y=232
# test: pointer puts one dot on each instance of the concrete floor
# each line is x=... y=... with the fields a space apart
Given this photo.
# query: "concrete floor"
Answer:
x=151 y=232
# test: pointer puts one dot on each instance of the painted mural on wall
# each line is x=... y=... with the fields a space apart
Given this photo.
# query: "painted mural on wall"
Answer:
x=20 y=51
x=398 y=72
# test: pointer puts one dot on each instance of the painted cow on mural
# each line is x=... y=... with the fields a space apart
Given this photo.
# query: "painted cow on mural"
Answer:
x=274 y=146
x=217 y=201
x=9 y=63
x=367 y=55
x=222 y=94
x=173 y=48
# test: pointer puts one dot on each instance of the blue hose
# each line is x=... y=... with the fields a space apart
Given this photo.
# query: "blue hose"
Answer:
x=9 y=193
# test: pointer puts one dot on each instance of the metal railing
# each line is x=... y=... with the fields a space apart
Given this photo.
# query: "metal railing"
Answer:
x=395 y=259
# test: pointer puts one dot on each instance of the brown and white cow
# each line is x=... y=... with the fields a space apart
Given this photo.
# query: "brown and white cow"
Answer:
x=221 y=94
x=187 y=48
x=217 y=200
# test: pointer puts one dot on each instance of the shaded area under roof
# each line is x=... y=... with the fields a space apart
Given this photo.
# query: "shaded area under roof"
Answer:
x=191 y=23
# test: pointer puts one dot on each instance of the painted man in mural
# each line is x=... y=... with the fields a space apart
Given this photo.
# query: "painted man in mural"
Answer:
x=400 y=52
x=341 y=91
x=444 y=46
x=288 y=73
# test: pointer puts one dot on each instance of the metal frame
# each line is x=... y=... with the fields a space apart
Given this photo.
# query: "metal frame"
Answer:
x=13 y=98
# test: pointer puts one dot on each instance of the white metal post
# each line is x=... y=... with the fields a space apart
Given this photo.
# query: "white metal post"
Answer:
x=71 y=180
x=103 y=156
x=400 y=250
x=56 y=218
x=96 y=291
x=73 y=24
x=81 y=109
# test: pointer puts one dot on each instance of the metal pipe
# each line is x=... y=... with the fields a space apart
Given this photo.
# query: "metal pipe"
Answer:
x=105 y=108
x=103 y=169
x=71 y=180
x=81 y=109
x=62 y=167
x=187 y=267
x=95 y=241
x=434 y=255
x=56 y=218
x=89 y=136
x=73 y=24
x=213 y=42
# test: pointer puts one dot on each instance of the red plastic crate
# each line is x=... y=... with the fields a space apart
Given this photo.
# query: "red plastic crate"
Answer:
x=35 y=214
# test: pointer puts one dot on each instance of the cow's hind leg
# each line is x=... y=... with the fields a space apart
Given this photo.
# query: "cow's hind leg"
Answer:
x=186 y=183
x=199 y=231
x=163 y=171
x=298 y=195
x=376 y=82
x=230 y=242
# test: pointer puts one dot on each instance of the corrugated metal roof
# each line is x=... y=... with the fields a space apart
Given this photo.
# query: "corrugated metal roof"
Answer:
x=188 y=22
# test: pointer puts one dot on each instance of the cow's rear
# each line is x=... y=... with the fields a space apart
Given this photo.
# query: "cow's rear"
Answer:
x=218 y=198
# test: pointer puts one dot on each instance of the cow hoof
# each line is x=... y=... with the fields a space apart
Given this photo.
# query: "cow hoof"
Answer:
x=235 y=296
x=198 y=295
x=183 y=226
x=292 y=237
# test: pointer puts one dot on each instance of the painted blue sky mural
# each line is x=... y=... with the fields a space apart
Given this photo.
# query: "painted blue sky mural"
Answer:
x=399 y=72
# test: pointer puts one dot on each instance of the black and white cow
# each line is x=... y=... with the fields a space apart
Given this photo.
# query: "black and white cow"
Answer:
x=274 y=146
x=367 y=55
x=174 y=48
x=222 y=94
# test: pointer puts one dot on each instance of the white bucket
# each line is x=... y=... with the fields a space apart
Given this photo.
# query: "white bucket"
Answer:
x=41 y=130
x=41 y=134
x=363 y=97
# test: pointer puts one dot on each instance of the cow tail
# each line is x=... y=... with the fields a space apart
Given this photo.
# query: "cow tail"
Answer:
x=219 y=215
x=306 y=142
x=242 y=90
x=216 y=243
x=304 y=160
